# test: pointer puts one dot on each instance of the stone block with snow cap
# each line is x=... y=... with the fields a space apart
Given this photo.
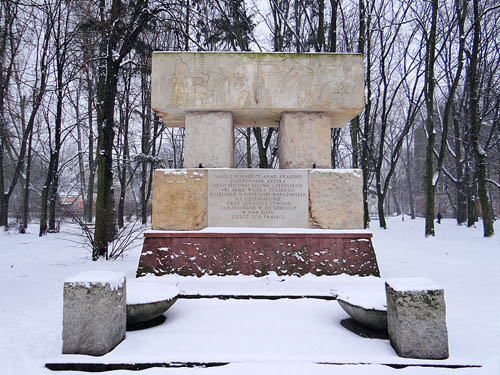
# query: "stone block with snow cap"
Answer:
x=416 y=318
x=94 y=315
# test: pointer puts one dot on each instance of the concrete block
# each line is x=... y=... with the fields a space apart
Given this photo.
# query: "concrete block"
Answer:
x=304 y=140
x=336 y=198
x=180 y=199
x=416 y=318
x=95 y=312
x=209 y=141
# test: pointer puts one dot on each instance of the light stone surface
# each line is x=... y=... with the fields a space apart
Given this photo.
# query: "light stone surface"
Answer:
x=257 y=87
x=94 y=317
x=336 y=198
x=416 y=321
x=180 y=199
x=333 y=199
x=209 y=140
x=258 y=198
x=372 y=318
x=304 y=140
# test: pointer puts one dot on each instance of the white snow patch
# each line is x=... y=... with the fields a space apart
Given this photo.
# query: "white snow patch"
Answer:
x=147 y=291
x=355 y=172
x=114 y=279
x=409 y=284
x=173 y=171
x=368 y=293
x=257 y=336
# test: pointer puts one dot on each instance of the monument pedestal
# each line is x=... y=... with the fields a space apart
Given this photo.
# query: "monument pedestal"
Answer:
x=255 y=221
x=250 y=251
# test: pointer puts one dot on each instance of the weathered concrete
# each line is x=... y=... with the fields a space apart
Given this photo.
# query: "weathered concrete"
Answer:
x=416 y=318
x=304 y=140
x=209 y=141
x=321 y=198
x=94 y=315
x=257 y=87
x=336 y=198
x=180 y=199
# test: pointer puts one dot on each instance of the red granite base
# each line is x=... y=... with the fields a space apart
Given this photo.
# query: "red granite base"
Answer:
x=197 y=254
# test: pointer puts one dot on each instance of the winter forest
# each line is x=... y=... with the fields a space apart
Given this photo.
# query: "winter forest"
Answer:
x=79 y=141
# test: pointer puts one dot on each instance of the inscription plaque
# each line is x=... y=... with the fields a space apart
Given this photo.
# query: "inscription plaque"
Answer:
x=258 y=198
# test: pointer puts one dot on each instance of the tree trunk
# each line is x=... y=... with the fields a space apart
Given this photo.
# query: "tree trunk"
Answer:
x=4 y=209
x=81 y=165
x=430 y=180
x=411 y=200
x=380 y=210
x=461 y=196
x=471 y=207
x=109 y=68
x=146 y=142
x=26 y=193
x=38 y=94
x=54 y=185
x=45 y=196
x=249 y=147
x=263 y=145
x=367 y=131
x=89 y=204
x=361 y=49
x=479 y=153
x=104 y=225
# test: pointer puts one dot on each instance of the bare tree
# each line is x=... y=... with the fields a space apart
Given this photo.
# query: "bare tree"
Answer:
x=430 y=83
x=120 y=27
x=38 y=85
x=475 y=118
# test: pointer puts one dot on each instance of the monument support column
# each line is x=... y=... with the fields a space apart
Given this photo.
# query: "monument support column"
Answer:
x=209 y=140
x=304 y=140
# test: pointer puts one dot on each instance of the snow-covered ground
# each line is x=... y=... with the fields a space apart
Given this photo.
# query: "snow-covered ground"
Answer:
x=257 y=336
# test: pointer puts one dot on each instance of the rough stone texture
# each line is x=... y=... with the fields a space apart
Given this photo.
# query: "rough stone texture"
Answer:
x=209 y=140
x=258 y=254
x=94 y=317
x=257 y=87
x=375 y=319
x=304 y=140
x=416 y=321
x=336 y=199
x=180 y=199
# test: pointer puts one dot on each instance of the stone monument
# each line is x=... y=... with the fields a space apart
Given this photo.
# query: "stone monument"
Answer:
x=94 y=313
x=305 y=217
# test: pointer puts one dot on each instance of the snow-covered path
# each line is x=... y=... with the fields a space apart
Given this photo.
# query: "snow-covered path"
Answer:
x=283 y=336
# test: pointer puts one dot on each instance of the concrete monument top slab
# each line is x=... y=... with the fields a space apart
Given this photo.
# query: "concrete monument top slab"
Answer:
x=257 y=88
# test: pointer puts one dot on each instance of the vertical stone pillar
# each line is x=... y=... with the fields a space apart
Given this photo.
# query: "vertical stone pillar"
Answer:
x=304 y=140
x=209 y=140
x=95 y=312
